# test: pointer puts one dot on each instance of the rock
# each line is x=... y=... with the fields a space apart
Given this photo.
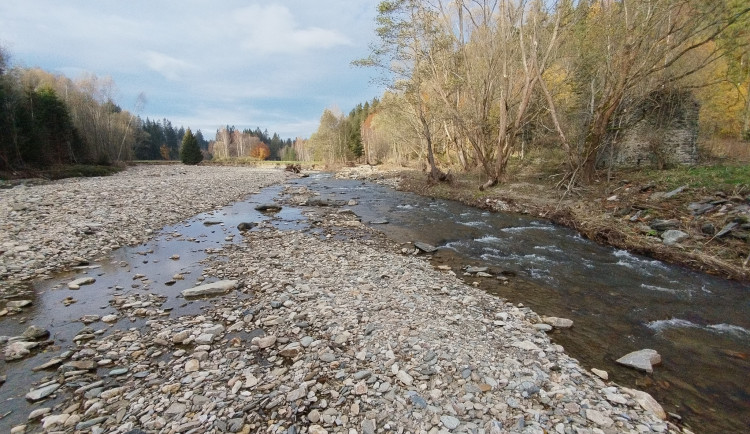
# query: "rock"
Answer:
x=672 y=237
x=313 y=416
x=642 y=360
x=18 y=304
x=729 y=227
x=39 y=412
x=192 y=365
x=246 y=226
x=265 y=342
x=268 y=207
x=708 y=228
x=598 y=418
x=76 y=284
x=427 y=248
x=109 y=319
x=601 y=374
x=210 y=289
x=316 y=429
x=18 y=350
x=449 y=422
x=558 y=323
x=647 y=402
x=526 y=345
x=204 y=339
x=41 y=393
x=89 y=319
x=368 y=426
x=664 y=225
x=474 y=270
x=405 y=378
x=291 y=351
x=543 y=327
x=35 y=332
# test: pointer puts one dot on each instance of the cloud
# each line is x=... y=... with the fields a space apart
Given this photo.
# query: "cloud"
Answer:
x=167 y=66
x=272 y=29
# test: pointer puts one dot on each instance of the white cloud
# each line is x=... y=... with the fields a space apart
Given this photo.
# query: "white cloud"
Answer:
x=165 y=65
x=272 y=29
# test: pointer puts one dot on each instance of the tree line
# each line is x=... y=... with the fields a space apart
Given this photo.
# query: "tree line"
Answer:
x=48 y=119
x=471 y=83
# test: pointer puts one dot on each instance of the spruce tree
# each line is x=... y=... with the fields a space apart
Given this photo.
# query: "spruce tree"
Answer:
x=191 y=151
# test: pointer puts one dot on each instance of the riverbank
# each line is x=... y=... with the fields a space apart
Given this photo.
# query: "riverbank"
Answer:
x=320 y=334
x=635 y=211
x=50 y=226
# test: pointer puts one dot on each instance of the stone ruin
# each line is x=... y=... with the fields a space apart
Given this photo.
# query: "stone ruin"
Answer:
x=660 y=132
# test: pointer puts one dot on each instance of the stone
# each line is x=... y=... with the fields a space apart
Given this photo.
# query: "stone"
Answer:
x=192 y=365
x=558 y=323
x=268 y=207
x=35 y=332
x=41 y=393
x=18 y=304
x=598 y=418
x=204 y=339
x=316 y=429
x=39 y=412
x=368 y=426
x=643 y=360
x=77 y=283
x=265 y=341
x=647 y=402
x=672 y=237
x=246 y=226
x=109 y=318
x=424 y=247
x=314 y=416
x=601 y=374
x=405 y=378
x=210 y=289
x=18 y=350
x=449 y=422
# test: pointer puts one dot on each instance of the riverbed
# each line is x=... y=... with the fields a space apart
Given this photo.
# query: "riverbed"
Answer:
x=540 y=265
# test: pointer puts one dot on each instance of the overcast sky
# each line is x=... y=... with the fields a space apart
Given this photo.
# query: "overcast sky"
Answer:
x=204 y=64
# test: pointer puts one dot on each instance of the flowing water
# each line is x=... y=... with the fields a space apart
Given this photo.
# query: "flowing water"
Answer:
x=619 y=302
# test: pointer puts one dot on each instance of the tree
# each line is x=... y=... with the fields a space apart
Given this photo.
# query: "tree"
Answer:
x=190 y=152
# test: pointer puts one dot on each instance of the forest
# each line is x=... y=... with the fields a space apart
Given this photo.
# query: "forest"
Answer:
x=48 y=120
x=472 y=84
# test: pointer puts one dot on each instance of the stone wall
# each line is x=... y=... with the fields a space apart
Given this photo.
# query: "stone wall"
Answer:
x=662 y=131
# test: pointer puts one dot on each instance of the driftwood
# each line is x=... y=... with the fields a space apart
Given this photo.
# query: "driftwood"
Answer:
x=294 y=168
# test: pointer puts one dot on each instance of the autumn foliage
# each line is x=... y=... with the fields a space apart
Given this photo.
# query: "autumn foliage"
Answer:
x=261 y=151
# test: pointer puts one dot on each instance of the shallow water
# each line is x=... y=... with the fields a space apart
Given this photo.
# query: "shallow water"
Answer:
x=620 y=302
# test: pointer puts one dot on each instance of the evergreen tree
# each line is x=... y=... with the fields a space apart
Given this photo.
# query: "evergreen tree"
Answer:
x=190 y=152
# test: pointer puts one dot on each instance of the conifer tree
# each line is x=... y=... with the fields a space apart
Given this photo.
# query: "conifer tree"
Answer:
x=191 y=151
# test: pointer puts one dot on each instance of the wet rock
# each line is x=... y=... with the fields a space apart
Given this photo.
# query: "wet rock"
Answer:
x=18 y=304
x=41 y=393
x=76 y=284
x=210 y=289
x=19 y=350
x=647 y=402
x=35 y=332
x=558 y=323
x=643 y=360
x=424 y=247
x=246 y=226
x=268 y=207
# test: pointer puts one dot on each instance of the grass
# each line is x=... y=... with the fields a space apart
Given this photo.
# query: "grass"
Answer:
x=728 y=178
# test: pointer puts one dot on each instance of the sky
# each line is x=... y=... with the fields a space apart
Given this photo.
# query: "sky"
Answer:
x=205 y=64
